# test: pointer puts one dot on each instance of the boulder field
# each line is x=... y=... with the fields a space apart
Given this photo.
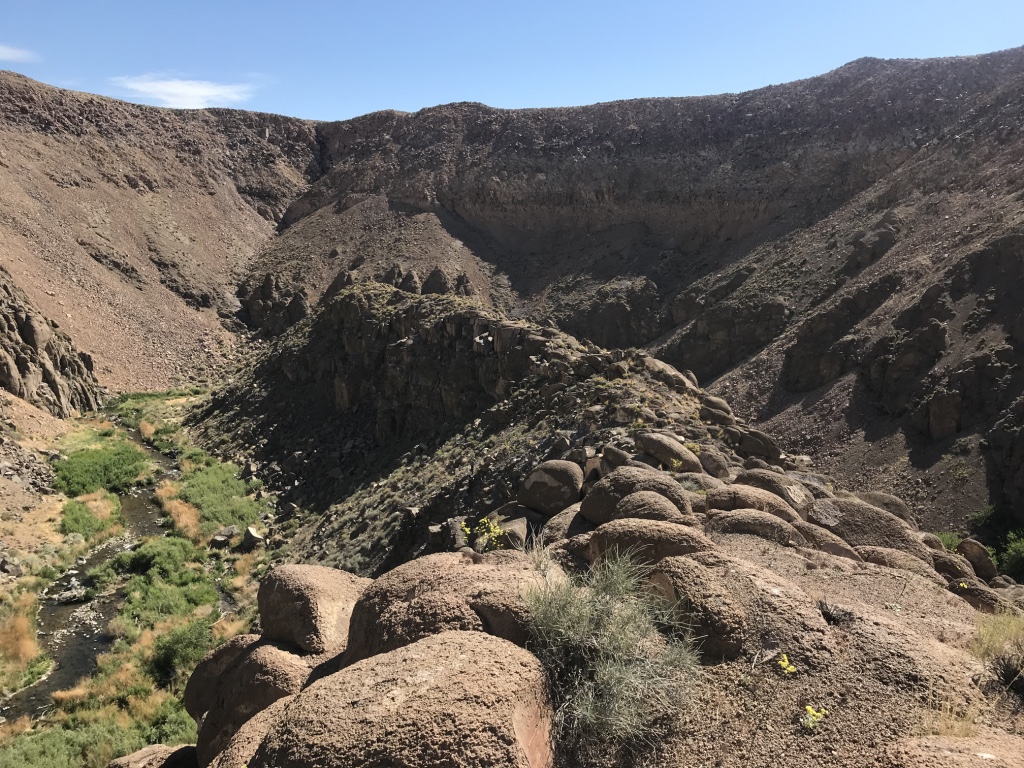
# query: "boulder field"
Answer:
x=799 y=598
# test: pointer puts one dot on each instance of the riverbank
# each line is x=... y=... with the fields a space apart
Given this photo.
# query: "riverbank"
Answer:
x=127 y=619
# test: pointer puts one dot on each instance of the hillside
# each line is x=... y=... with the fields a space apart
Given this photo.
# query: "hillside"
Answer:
x=130 y=225
x=680 y=431
x=837 y=256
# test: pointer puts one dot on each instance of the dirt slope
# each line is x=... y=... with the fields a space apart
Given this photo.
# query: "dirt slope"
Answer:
x=128 y=225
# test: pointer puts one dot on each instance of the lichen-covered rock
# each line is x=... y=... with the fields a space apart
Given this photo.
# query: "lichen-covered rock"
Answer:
x=748 y=497
x=756 y=523
x=669 y=451
x=599 y=505
x=308 y=606
x=451 y=699
x=863 y=525
x=551 y=487
x=648 y=540
x=439 y=593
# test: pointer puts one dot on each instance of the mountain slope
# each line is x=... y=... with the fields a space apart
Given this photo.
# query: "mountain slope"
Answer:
x=128 y=224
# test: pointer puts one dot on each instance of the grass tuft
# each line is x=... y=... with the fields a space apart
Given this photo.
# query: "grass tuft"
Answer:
x=619 y=670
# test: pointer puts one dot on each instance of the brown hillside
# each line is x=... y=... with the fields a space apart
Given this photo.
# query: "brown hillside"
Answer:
x=129 y=225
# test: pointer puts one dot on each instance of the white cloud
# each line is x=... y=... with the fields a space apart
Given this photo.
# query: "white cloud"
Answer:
x=19 y=55
x=185 y=94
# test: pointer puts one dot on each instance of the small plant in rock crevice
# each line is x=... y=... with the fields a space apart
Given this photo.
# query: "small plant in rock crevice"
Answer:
x=620 y=667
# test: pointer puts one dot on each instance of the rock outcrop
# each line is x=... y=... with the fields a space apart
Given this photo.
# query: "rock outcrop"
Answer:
x=37 y=360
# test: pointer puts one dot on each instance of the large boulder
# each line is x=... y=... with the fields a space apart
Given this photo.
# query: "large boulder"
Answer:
x=826 y=541
x=716 y=618
x=241 y=748
x=551 y=487
x=979 y=558
x=981 y=597
x=648 y=505
x=745 y=608
x=714 y=462
x=452 y=699
x=951 y=565
x=786 y=488
x=599 y=505
x=894 y=558
x=889 y=503
x=697 y=481
x=756 y=523
x=566 y=524
x=439 y=593
x=748 y=497
x=863 y=525
x=204 y=684
x=308 y=606
x=264 y=675
x=669 y=451
x=648 y=540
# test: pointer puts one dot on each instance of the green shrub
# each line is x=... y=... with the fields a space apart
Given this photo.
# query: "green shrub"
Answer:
x=113 y=467
x=979 y=518
x=91 y=746
x=76 y=517
x=177 y=653
x=618 y=667
x=1011 y=559
x=219 y=496
x=949 y=539
x=163 y=557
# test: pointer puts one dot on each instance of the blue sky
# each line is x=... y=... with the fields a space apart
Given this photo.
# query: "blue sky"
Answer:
x=337 y=60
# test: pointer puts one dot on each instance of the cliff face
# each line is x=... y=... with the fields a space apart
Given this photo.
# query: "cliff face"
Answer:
x=37 y=360
x=838 y=255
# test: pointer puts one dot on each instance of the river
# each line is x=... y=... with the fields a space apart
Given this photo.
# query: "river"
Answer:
x=75 y=632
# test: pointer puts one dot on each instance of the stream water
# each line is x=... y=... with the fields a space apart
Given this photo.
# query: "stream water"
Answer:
x=74 y=631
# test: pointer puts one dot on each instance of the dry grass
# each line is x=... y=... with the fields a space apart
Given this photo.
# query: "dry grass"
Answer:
x=184 y=515
x=146 y=429
x=229 y=626
x=947 y=718
x=18 y=644
x=100 y=503
x=997 y=633
x=9 y=730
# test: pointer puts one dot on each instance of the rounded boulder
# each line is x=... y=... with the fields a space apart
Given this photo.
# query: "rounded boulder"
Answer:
x=308 y=606
x=440 y=593
x=748 y=497
x=599 y=505
x=648 y=540
x=457 y=698
x=669 y=451
x=862 y=525
x=551 y=487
